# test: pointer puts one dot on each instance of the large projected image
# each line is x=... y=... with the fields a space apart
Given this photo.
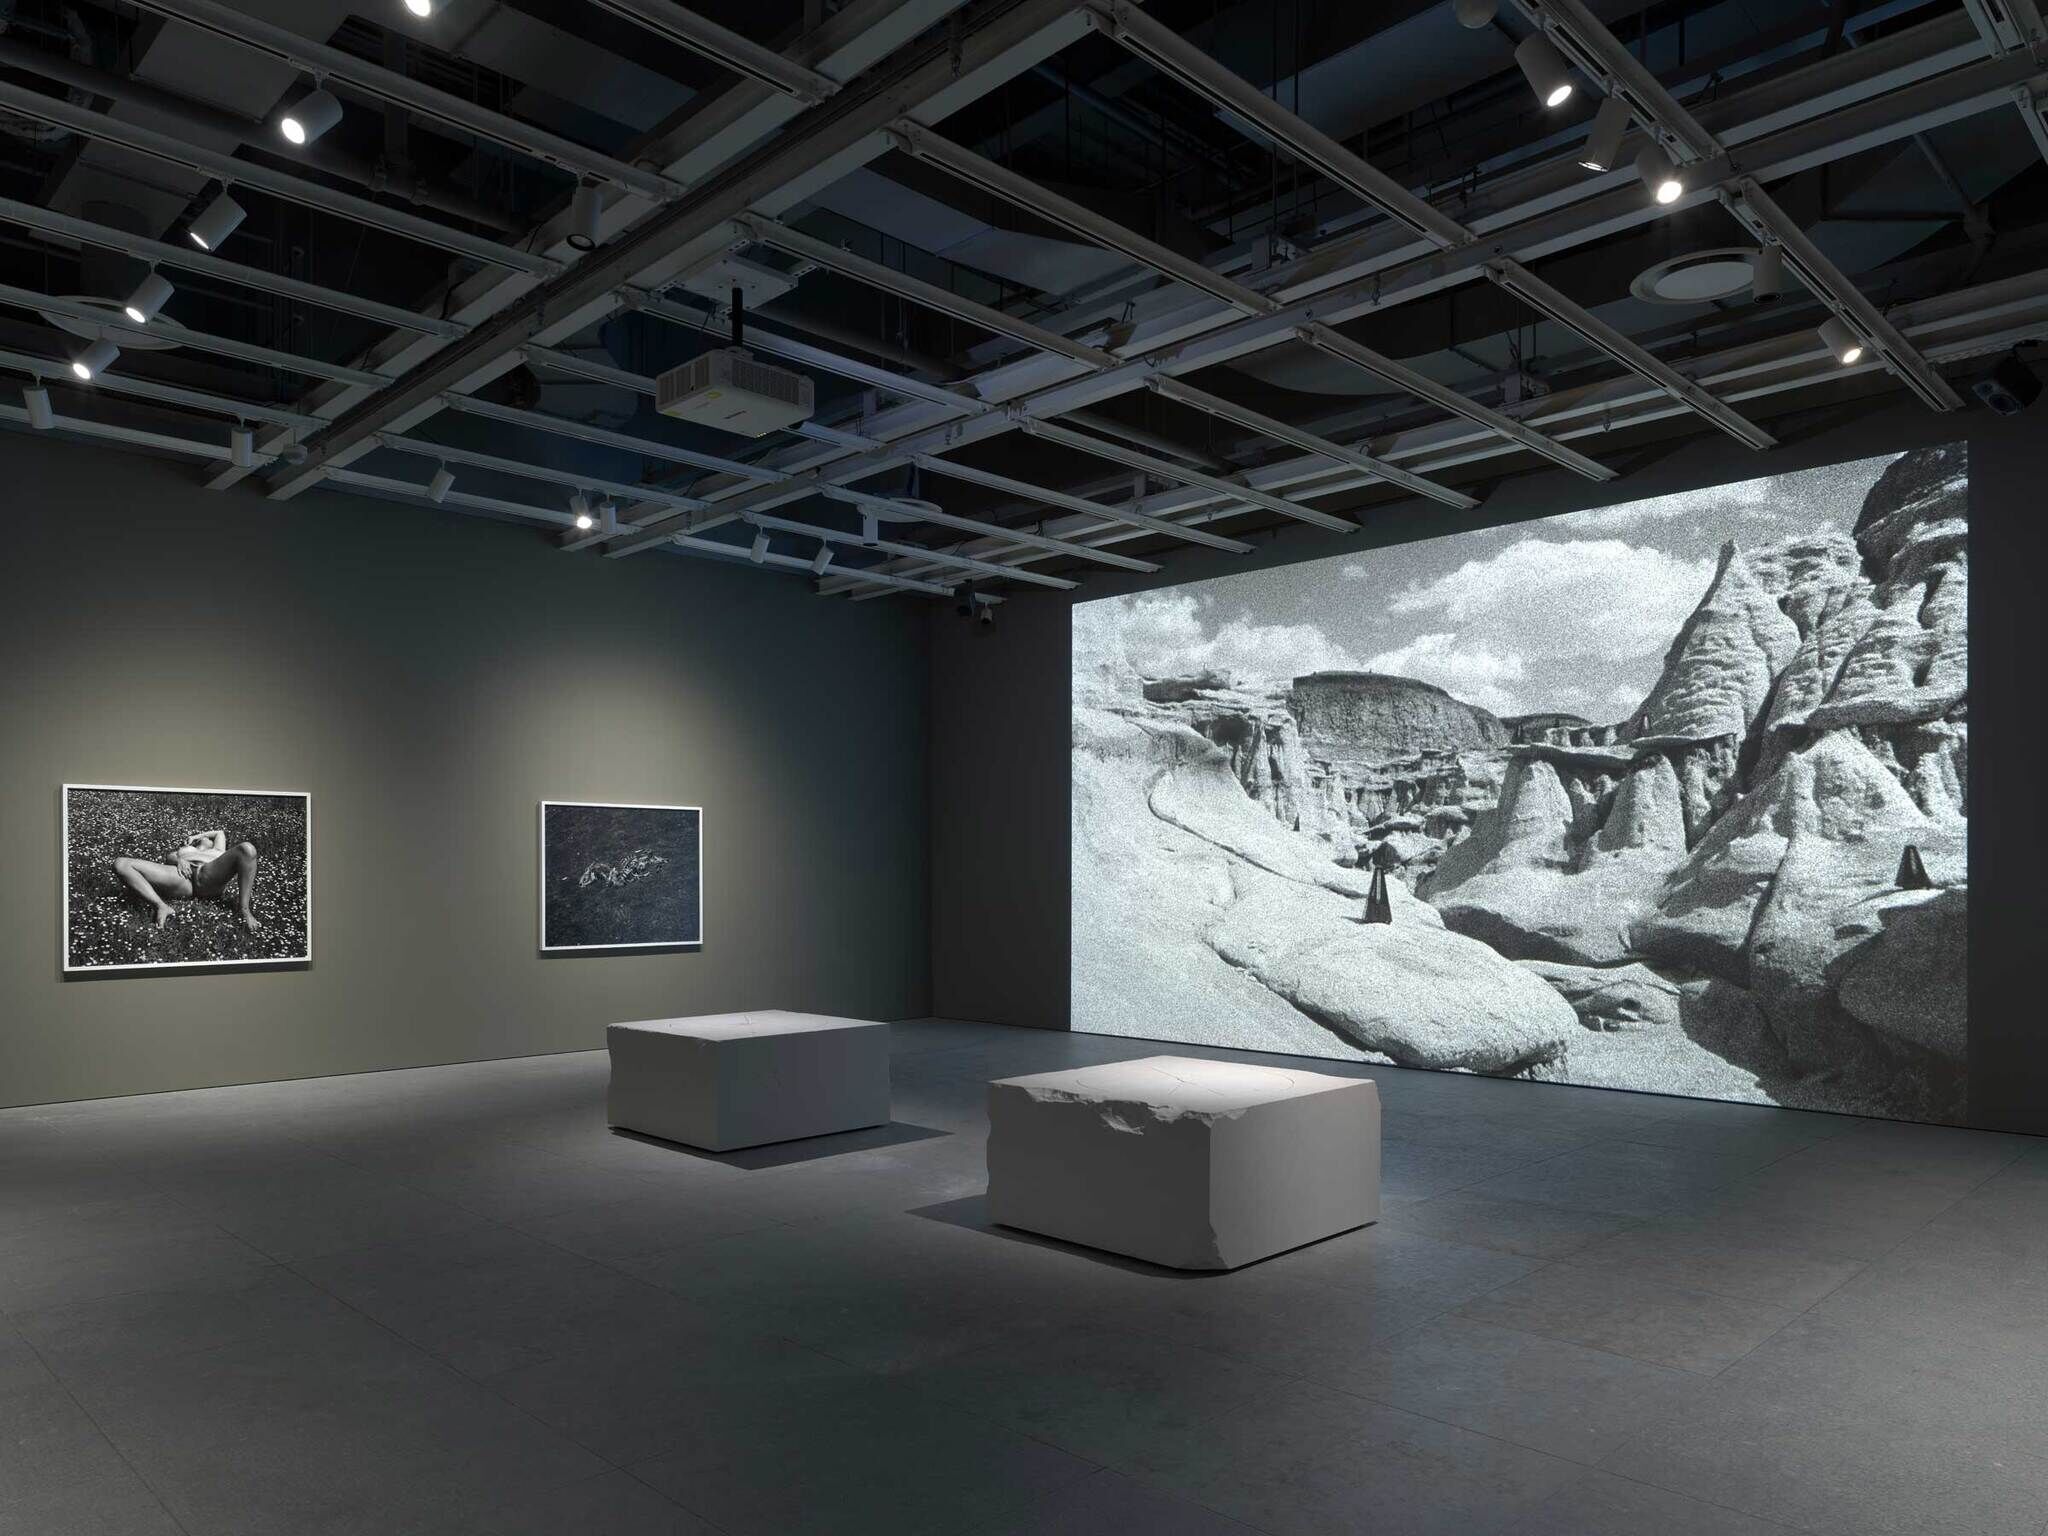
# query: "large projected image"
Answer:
x=1665 y=796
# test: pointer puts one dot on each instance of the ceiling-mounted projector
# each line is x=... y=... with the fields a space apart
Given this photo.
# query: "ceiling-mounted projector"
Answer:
x=734 y=391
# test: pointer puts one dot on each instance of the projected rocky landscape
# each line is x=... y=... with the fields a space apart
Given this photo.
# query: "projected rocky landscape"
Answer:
x=1700 y=830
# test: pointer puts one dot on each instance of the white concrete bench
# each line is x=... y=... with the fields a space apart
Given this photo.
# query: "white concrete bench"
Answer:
x=1188 y=1163
x=731 y=1080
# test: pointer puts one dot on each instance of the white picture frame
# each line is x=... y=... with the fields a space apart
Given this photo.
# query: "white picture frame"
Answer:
x=73 y=902
x=690 y=934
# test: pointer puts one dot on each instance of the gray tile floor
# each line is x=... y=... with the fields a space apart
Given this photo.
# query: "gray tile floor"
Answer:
x=449 y=1302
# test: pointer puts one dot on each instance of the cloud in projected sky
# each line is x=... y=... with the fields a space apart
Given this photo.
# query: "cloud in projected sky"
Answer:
x=1570 y=613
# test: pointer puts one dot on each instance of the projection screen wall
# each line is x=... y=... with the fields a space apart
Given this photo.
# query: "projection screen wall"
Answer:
x=1666 y=796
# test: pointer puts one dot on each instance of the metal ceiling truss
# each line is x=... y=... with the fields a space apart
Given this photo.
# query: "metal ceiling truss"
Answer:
x=1866 y=105
x=839 y=134
x=511 y=314
x=1949 y=327
x=1585 y=40
x=321 y=62
x=114 y=325
x=232 y=172
x=188 y=258
x=739 y=54
x=943 y=557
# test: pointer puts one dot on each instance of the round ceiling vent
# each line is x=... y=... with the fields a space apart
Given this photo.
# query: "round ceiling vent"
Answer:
x=123 y=335
x=1698 y=277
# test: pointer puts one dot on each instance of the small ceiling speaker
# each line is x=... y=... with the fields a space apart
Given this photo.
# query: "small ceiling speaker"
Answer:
x=2008 y=389
x=217 y=220
x=150 y=296
x=1603 y=142
x=314 y=113
x=95 y=360
x=1840 y=340
x=1659 y=174
x=585 y=208
x=1545 y=69
x=1767 y=274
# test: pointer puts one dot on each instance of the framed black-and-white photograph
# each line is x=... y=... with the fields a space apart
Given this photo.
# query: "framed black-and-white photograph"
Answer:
x=162 y=878
x=620 y=876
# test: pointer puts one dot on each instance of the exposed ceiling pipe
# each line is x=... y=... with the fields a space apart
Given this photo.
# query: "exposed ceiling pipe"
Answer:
x=208 y=122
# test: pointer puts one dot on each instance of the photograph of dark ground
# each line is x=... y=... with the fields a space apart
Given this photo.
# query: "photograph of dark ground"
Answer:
x=614 y=876
x=111 y=926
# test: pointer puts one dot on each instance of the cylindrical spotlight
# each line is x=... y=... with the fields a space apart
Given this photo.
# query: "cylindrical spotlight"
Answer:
x=1603 y=142
x=443 y=481
x=312 y=115
x=1545 y=69
x=217 y=220
x=241 y=447
x=420 y=8
x=584 y=210
x=579 y=508
x=759 y=553
x=95 y=360
x=608 y=515
x=151 y=294
x=36 y=401
x=821 y=559
x=1659 y=174
x=1767 y=274
x=1839 y=339
x=1474 y=14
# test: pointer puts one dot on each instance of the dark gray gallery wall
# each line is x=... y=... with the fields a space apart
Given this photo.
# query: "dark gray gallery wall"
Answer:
x=429 y=678
x=1000 y=782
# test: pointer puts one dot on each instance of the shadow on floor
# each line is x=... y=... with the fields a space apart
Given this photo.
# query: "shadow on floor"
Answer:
x=808 y=1149
x=971 y=1212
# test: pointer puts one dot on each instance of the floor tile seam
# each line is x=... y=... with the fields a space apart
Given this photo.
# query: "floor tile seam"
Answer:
x=1445 y=1423
x=1532 y=1331
x=112 y=1444
x=204 y=1218
x=435 y=1362
x=706 y=1520
x=1153 y=1482
x=1574 y=1260
x=1735 y=1509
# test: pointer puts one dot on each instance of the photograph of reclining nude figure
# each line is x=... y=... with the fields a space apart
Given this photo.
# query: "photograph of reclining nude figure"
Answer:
x=1669 y=795
x=185 y=877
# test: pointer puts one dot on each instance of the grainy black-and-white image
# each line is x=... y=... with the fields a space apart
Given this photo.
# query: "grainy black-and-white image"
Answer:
x=185 y=877
x=1668 y=795
x=620 y=876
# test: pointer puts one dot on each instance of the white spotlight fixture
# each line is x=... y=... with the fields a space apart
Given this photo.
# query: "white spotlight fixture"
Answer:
x=1474 y=14
x=1846 y=345
x=759 y=553
x=95 y=360
x=1767 y=274
x=579 y=508
x=584 y=210
x=821 y=559
x=217 y=220
x=1659 y=174
x=443 y=481
x=1603 y=142
x=36 y=401
x=420 y=8
x=1545 y=69
x=150 y=295
x=312 y=115
x=241 y=447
